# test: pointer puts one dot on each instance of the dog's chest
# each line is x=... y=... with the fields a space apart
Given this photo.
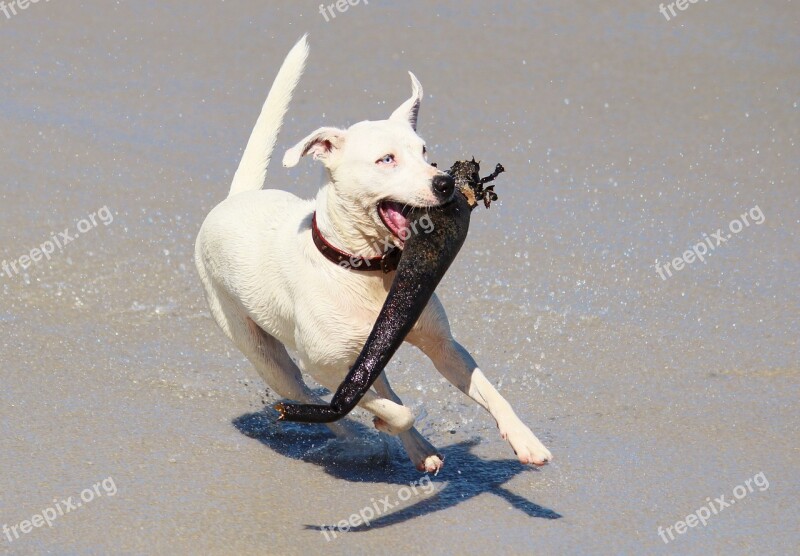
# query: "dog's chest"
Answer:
x=342 y=323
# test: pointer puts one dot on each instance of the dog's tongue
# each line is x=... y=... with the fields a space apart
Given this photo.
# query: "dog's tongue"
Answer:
x=392 y=215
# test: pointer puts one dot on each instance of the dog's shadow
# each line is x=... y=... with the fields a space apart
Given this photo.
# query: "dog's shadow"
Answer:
x=464 y=477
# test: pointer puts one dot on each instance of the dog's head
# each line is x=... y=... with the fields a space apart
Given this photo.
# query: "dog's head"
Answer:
x=379 y=169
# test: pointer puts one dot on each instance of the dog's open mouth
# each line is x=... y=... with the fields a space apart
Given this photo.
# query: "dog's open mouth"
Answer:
x=395 y=217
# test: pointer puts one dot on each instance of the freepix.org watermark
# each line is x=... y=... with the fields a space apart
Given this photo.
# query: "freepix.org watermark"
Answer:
x=57 y=241
x=378 y=507
x=59 y=509
x=341 y=6
x=682 y=5
x=705 y=513
x=10 y=8
x=385 y=245
x=704 y=248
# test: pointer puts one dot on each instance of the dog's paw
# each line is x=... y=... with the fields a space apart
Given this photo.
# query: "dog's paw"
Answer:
x=421 y=452
x=525 y=444
x=432 y=464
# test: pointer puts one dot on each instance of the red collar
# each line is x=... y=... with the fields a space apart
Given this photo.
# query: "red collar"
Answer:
x=387 y=263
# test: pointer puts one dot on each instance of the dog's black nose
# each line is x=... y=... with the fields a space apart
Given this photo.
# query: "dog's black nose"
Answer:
x=444 y=185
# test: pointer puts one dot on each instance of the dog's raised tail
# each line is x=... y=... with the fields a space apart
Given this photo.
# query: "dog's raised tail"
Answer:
x=253 y=167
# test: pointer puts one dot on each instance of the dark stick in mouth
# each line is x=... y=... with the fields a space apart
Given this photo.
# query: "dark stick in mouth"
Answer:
x=425 y=260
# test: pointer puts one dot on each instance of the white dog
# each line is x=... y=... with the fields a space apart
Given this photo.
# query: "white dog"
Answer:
x=270 y=288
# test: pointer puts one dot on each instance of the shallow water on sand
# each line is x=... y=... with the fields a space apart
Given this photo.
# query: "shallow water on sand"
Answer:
x=626 y=138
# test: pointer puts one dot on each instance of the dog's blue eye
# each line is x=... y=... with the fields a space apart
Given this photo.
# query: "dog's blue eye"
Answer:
x=388 y=159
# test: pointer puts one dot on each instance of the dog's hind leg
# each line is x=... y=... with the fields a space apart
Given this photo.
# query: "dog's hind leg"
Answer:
x=266 y=353
x=422 y=453
x=276 y=367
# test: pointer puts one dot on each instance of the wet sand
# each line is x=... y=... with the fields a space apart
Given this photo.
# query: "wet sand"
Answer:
x=626 y=138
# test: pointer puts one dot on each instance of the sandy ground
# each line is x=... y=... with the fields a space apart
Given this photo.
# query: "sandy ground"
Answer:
x=627 y=139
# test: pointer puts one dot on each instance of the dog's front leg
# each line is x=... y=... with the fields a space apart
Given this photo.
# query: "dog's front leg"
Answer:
x=458 y=366
x=422 y=453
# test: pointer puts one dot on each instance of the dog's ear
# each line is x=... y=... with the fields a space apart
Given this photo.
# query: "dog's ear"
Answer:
x=409 y=110
x=320 y=144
